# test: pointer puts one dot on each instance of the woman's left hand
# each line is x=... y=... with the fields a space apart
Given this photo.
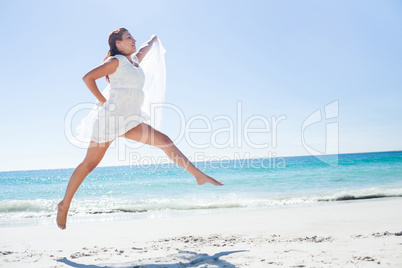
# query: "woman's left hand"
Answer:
x=154 y=38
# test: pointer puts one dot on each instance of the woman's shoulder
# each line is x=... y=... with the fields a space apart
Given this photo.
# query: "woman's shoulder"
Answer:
x=117 y=56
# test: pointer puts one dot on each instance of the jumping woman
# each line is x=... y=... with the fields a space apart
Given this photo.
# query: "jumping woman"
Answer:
x=122 y=68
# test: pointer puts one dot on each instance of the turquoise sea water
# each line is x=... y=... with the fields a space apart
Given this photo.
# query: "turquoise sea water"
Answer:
x=113 y=193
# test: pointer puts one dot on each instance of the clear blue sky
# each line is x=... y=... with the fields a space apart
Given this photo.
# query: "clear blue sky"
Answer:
x=275 y=57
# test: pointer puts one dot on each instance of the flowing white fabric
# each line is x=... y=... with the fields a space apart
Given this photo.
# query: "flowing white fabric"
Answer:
x=154 y=68
x=154 y=87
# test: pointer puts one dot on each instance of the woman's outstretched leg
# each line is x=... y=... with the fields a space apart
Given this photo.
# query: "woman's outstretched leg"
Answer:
x=95 y=153
x=148 y=135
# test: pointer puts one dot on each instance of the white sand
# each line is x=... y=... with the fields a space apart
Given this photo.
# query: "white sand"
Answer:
x=364 y=233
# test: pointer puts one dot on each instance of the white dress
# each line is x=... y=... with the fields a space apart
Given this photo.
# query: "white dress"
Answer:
x=122 y=110
x=132 y=91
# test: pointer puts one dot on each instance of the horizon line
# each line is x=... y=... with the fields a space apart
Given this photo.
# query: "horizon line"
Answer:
x=288 y=156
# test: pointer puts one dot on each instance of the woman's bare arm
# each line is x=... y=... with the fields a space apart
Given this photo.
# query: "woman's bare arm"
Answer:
x=145 y=48
x=98 y=72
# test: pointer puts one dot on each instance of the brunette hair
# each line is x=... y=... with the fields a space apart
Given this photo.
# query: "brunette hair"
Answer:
x=113 y=37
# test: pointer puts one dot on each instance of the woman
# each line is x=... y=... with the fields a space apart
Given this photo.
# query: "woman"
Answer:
x=126 y=98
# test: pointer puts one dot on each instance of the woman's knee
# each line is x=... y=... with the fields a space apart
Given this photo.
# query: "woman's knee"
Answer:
x=164 y=141
x=88 y=166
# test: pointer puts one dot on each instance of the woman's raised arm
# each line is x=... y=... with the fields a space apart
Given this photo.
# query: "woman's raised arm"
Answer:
x=106 y=68
x=145 y=48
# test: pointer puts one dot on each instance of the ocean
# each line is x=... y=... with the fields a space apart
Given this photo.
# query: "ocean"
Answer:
x=118 y=193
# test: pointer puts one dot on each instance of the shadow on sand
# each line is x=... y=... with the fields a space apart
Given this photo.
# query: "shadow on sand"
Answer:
x=191 y=259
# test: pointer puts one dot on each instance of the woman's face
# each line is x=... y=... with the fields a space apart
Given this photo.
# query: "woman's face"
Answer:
x=127 y=44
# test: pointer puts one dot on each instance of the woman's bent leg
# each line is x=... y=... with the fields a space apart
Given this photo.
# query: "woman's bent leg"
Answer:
x=95 y=153
x=148 y=135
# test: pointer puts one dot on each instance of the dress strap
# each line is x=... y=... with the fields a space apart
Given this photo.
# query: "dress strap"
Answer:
x=109 y=58
x=134 y=59
x=117 y=56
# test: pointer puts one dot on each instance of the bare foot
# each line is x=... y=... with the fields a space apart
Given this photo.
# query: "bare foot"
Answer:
x=207 y=179
x=61 y=215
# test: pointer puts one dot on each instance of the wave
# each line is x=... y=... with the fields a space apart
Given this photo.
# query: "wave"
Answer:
x=12 y=209
x=352 y=197
x=39 y=205
x=360 y=194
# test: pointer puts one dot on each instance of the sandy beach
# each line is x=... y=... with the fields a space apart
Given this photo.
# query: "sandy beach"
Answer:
x=365 y=233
